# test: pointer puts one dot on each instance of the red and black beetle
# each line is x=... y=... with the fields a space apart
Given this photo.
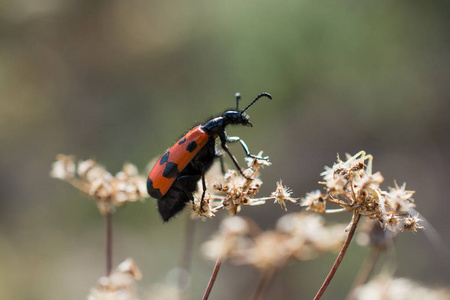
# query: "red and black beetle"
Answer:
x=174 y=177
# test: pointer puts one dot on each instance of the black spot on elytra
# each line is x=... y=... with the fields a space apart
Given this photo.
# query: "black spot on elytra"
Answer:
x=165 y=158
x=171 y=170
x=182 y=141
x=192 y=146
x=155 y=193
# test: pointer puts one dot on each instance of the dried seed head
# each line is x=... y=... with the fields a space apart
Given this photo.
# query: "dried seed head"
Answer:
x=314 y=201
x=93 y=179
x=298 y=236
x=411 y=224
x=256 y=163
x=388 y=288
x=119 y=285
x=283 y=194
x=352 y=185
x=64 y=167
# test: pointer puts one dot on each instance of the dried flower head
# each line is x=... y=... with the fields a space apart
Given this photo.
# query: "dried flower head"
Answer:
x=314 y=201
x=93 y=179
x=298 y=236
x=411 y=224
x=230 y=240
x=283 y=193
x=352 y=185
x=163 y=292
x=388 y=288
x=202 y=208
x=119 y=285
x=64 y=167
x=232 y=190
x=256 y=163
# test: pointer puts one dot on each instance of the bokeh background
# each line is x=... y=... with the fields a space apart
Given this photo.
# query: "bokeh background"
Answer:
x=120 y=81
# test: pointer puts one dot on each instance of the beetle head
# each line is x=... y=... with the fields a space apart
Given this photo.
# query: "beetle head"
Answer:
x=235 y=117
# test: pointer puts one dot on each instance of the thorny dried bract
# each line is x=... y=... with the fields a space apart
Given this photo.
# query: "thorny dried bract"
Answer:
x=298 y=236
x=119 y=285
x=93 y=179
x=388 y=288
x=232 y=190
x=352 y=185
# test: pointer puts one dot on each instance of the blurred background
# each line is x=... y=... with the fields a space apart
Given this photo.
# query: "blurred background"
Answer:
x=120 y=81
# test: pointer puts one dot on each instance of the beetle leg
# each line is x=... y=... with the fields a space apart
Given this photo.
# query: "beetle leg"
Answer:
x=204 y=191
x=233 y=139
x=223 y=139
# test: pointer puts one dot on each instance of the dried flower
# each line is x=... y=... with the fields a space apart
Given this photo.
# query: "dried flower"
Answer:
x=283 y=193
x=256 y=163
x=352 y=185
x=93 y=179
x=298 y=236
x=119 y=285
x=232 y=190
x=63 y=167
x=314 y=201
x=411 y=224
x=388 y=288
x=230 y=240
x=163 y=292
x=202 y=209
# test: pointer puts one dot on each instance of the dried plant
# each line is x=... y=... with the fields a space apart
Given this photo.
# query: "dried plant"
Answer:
x=109 y=191
x=232 y=190
x=120 y=284
x=351 y=185
x=94 y=180
x=163 y=292
x=297 y=236
x=389 y=288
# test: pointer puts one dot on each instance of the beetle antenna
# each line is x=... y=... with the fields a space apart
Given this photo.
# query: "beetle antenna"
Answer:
x=238 y=96
x=256 y=99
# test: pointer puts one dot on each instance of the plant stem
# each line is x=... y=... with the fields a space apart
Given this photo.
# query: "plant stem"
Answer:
x=213 y=277
x=108 y=243
x=212 y=280
x=264 y=281
x=335 y=211
x=355 y=220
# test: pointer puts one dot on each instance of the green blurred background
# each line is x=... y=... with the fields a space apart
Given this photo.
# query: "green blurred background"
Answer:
x=122 y=80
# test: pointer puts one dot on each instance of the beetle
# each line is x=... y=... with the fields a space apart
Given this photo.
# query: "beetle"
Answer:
x=174 y=177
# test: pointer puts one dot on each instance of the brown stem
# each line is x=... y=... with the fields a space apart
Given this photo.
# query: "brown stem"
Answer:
x=108 y=243
x=264 y=281
x=212 y=280
x=213 y=277
x=356 y=217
